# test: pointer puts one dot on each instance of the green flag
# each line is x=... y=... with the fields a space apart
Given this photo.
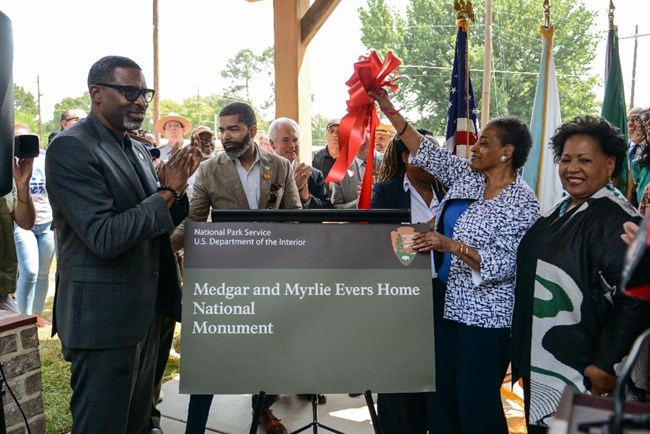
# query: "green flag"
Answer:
x=614 y=109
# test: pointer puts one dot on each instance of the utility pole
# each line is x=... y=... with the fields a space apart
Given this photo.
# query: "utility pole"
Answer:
x=487 y=65
x=156 y=77
x=38 y=100
x=198 y=103
x=636 y=44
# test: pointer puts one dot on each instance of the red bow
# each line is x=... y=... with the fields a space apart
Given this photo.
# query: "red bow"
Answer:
x=369 y=74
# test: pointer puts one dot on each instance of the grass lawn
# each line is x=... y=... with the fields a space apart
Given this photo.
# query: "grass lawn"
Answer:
x=56 y=375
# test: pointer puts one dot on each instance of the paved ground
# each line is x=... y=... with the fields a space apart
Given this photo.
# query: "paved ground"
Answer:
x=232 y=414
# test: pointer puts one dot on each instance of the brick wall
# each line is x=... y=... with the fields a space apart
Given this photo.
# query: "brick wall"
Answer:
x=21 y=363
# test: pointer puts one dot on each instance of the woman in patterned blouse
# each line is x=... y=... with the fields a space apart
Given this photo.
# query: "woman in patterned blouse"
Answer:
x=480 y=222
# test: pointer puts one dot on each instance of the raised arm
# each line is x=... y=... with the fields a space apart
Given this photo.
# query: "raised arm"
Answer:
x=24 y=212
x=409 y=135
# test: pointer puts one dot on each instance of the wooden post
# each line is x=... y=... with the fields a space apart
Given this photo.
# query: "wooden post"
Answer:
x=295 y=24
x=156 y=72
x=636 y=44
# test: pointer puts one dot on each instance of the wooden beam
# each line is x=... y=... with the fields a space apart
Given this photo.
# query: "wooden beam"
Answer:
x=295 y=24
x=292 y=70
x=315 y=17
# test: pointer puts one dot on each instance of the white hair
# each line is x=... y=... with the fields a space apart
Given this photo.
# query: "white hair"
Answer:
x=273 y=128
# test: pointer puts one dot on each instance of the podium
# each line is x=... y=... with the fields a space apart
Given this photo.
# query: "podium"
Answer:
x=577 y=409
x=607 y=415
x=233 y=216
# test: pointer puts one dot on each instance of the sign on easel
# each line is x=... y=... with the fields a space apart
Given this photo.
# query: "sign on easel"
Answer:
x=305 y=308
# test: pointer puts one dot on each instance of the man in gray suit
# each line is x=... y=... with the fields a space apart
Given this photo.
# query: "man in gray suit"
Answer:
x=242 y=177
x=345 y=193
x=116 y=272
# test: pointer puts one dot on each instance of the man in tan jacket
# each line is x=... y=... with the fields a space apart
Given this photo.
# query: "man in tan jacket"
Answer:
x=242 y=177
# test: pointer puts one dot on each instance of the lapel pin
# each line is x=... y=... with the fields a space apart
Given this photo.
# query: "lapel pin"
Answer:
x=140 y=155
x=267 y=175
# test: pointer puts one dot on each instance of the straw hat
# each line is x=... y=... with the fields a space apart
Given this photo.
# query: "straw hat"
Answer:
x=160 y=125
x=386 y=127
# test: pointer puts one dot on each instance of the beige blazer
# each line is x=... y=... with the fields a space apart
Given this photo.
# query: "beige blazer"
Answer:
x=218 y=186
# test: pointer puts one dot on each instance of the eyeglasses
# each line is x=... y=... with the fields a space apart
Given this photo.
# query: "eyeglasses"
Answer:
x=333 y=130
x=71 y=119
x=131 y=93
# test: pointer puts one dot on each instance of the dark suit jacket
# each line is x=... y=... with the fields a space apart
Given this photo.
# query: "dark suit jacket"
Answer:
x=344 y=193
x=318 y=190
x=114 y=255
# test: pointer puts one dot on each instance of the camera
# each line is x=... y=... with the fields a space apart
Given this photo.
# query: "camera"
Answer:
x=26 y=146
x=644 y=117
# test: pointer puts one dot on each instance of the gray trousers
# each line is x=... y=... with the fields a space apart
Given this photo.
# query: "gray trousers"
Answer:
x=112 y=388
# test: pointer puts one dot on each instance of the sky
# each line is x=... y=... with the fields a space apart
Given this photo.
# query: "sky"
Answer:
x=59 y=41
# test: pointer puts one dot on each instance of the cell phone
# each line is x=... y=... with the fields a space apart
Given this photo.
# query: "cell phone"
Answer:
x=26 y=146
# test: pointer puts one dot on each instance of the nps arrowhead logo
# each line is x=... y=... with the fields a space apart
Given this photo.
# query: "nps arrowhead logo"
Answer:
x=401 y=239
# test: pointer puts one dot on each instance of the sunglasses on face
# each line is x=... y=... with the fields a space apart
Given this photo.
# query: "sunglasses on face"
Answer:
x=131 y=93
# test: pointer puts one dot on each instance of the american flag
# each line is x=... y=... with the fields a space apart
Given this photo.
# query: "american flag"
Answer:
x=461 y=128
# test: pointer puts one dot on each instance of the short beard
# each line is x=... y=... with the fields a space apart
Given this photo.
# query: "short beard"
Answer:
x=130 y=125
x=240 y=149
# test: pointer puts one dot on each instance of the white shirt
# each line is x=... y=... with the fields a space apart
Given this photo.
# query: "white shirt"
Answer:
x=421 y=212
x=250 y=181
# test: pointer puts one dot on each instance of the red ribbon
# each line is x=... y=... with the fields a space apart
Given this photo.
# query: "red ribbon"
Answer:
x=370 y=73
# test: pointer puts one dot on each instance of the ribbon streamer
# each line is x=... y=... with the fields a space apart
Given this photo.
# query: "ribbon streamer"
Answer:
x=370 y=73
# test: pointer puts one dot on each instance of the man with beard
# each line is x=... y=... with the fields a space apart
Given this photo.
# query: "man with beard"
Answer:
x=242 y=177
x=116 y=272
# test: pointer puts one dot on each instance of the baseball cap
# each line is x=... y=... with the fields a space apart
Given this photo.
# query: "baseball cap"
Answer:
x=332 y=122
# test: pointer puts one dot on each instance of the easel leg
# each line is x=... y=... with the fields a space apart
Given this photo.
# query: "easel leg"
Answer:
x=373 y=414
x=315 y=424
x=259 y=405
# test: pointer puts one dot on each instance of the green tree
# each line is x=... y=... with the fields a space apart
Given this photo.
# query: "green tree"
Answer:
x=81 y=102
x=424 y=39
x=318 y=137
x=201 y=110
x=25 y=108
x=248 y=72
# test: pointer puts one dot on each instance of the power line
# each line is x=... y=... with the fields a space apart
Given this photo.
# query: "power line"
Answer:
x=500 y=71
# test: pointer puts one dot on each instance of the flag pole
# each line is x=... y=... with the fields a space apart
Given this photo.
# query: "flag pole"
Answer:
x=636 y=45
x=547 y=24
x=540 y=171
x=547 y=13
x=465 y=12
x=614 y=108
x=487 y=65
x=610 y=44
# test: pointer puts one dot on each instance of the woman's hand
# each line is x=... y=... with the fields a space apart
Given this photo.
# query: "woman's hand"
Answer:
x=602 y=383
x=23 y=171
x=629 y=232
x=381 y=96
x=428 y=241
